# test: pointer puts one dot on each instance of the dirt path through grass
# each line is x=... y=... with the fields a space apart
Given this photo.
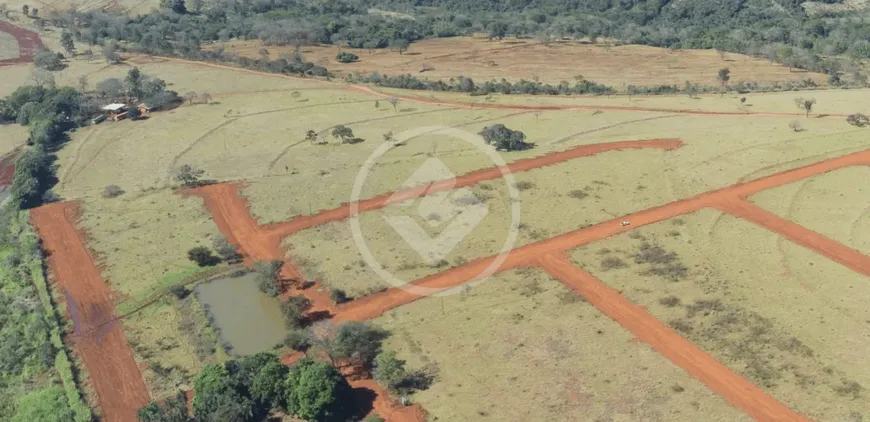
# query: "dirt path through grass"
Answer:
x=107 y=356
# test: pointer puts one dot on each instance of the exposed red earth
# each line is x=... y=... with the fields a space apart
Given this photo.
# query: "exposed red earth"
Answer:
x=106 y=355
x=7 y=169
x=549 y=255
x=28 y=43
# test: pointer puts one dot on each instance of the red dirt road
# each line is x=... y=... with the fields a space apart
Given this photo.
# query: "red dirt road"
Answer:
x=28 y=43
x=106 y=354
x=741 y=393
x=230 y=211
x=468 y=179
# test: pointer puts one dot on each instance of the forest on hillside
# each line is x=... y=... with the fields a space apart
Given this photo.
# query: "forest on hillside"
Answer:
x=777 y=29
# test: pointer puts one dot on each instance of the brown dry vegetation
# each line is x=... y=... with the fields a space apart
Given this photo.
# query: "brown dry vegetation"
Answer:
x=784 y=317
x=521 y=346
x=514 y=59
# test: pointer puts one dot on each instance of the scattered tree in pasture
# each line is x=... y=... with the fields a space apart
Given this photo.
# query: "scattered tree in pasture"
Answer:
x=83 y=84
x=724 y=76
x=205 y=97
x=346 y=57
x=400 y=45
x=25 y=10
x=133 y=83
x=343 y=132
x=805 y=104
x=202 y=256
x=796 y=126
x=48 y=61
x=66 y=41
x=358 y=342
x=190 y=96
x=112 y=191
x=311 y=136
x=110 y=52
x=505 y=139
x=110 y=89
x=188 y=175
x=43 y=78
x=393 y=102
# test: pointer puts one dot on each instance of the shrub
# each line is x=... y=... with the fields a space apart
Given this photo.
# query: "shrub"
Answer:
x=293 y=310
x=268 y=273
x=346 y=57
x=612 y=263
x=524 y=185
x=112 y=191
x=577 y=194
x=202 y=256
x=179 y=291
x=338 y=296
x=48 y=61
x=858 y=120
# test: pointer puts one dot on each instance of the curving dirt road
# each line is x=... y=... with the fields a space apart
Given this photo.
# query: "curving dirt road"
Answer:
x=28 y=43
x=108 y=358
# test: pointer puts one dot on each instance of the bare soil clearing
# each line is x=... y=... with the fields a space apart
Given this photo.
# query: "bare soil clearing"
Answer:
x=523 y=327
x=515 y=59
x=28 y=42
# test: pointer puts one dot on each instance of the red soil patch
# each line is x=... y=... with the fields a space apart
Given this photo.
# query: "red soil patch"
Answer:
x=28 y=43
x=7 y=169
x=103 y=347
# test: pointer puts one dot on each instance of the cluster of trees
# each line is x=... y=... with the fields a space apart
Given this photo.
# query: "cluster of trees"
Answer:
x=781 y=31
x=467 y=85
x=204 y=257
x=249 y=389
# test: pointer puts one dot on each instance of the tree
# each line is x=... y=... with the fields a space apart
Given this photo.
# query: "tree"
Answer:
x=196 y=5
x=724 y=76
x=25 y=10
x=389 y=370
x=173 y=409
x=358 y=341
x=299 y=340
x=110 y=88
x=393 y=102
x=796 y=126
x=226 y=251
x=66 y=41
x=48 y=61
x=311 y=136
x=110 y=52
x=216 y=395
x=805 y=104
x=202 y=256
x=188 y=175
x=268 y=273
x=317 y=391
x=190 y=96
x=497 y=30
x=34 y=12
x=112 y=191
x=342 y=132
x=293 y=310
x=346 y=57
x=269 y=385
x=400 y=45
x=133 y=83
x=505 y=139
x=43 y=79
x=205 y=97
x=690 y=89
x=338 y=296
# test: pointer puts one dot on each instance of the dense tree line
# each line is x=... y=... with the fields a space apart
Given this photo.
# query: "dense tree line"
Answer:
x=467 y=85
x=781 y=31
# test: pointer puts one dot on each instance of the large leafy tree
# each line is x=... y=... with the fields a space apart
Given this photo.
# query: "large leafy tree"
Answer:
x=358 y=341
x=317 y=392
x=505 y=139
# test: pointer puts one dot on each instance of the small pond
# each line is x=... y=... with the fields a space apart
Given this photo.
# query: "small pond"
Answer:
x=247 y=319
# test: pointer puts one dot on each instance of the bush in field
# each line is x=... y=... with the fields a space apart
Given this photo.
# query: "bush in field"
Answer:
x=112 y=191
x=858 y=120
x=226 y=251
x=505 y=139
x=338 y=296
x=202 y=256
x=346 y=57
x=294 y=309
x=48 y=61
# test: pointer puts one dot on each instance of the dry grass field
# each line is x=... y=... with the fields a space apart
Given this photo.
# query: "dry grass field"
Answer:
x=254 y=129
x=834 y=204
x=515 y=59
x=521 y=346
x=789 y=320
